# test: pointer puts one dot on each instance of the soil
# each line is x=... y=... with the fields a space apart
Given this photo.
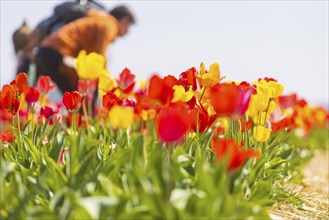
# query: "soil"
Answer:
x=313 y=193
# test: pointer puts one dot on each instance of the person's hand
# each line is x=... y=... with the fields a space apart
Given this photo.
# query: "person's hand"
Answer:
x=69 y=61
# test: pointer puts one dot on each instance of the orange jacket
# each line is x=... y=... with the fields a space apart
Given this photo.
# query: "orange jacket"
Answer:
x=93 y=33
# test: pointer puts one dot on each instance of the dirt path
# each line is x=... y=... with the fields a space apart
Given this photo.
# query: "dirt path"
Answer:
x=313 y=193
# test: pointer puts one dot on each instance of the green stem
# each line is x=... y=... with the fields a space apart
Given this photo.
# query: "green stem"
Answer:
x=74 y=122
x=84 y=108
x=32 y=127
x=267 y=108
x=197 y=125
x=233 y=127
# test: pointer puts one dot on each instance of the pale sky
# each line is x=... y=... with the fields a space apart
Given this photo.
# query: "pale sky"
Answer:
x=286 y=40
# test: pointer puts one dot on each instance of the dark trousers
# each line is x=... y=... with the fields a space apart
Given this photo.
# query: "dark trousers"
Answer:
x=23 y=65
x=48 y=62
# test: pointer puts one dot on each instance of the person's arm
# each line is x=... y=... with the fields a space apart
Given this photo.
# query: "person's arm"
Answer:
x=103 y=38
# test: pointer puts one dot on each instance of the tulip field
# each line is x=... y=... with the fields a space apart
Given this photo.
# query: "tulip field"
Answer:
x=191 y=146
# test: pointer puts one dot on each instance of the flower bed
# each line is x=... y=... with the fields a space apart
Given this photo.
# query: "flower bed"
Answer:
x=187 y=147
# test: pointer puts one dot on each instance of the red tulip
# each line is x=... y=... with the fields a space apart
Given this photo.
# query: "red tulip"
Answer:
x=285 y=123
x=173 y=122
x=200 y=114
x=8 y=99
x=161 y=89
x=19 y=84
x=229 y=99
x=229 y=147
x=126 y=81
x=144 y=103
x=72 y=100
x=110 y=99
x=31 y=95
x=6 y=136
x=188 y=78
x=47 y=112
x=44 y=84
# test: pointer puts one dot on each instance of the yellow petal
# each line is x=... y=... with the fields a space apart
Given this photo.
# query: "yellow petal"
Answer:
x=121 y=117
x=277 y=89
x=89 y=66
x=214 y=68
x=181 y=95
x=106 y=83
x=261 y=118
x=261 y=133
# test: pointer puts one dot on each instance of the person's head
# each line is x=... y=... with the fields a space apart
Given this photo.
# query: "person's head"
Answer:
x=21 y=37
x=124 y=17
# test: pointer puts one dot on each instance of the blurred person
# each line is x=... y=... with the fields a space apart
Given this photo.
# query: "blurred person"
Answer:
x=26 y=40
x=21 y=38
x=94 y=33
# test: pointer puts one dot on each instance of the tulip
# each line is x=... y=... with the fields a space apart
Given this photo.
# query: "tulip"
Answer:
x=187 y=79
x=261 y=118
x=121 y=117
x=106 y=83
x=126 y=81
x=261 y=133
x=44 y=84
x=270 y=88
x=181 y=95
x=173 y=122
x=48 y=112
x=8 y=99
x=200 y=115
x=229 y=148
x=19 y=84
x=89 y=66
x=72 y=100
x=6 y=136
x=258 y=103
x=109 y=100
x=161 y=89
x=229 y=99
x=31 y=95
x=211 y=78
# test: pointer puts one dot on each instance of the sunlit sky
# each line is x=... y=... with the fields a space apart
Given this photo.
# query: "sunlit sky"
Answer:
x=286 y=40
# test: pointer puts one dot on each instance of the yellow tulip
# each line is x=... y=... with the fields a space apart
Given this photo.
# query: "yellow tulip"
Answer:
x=261 y=133
x=272 y=89
x=258 y=103
x=261 y=118
x=121 y=117
x=273 y=105
x=181 y=95
x=89 y=66
x=211 y=78
x=106 y=83
x=277 y=88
